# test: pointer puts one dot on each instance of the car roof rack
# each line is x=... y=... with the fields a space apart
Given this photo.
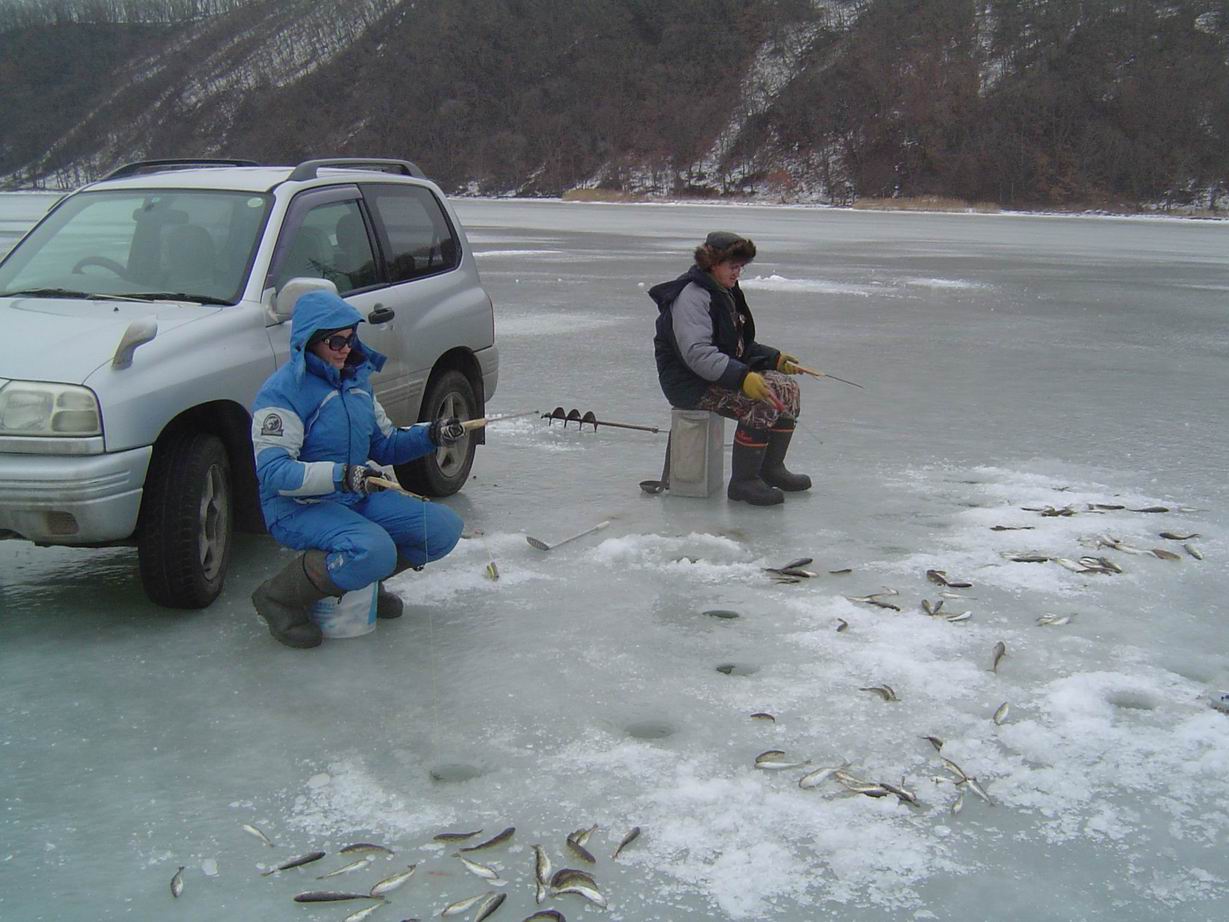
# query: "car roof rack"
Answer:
x=153 y=166
x=308 y=168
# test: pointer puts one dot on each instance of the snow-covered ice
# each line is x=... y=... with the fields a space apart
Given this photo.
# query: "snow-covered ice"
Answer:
x=1009 y=364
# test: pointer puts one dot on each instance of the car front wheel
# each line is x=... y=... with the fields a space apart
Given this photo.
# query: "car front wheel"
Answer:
x=186 y=521
x=445 y=470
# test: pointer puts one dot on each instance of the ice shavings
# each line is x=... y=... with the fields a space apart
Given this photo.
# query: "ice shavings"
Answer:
x=823 y=286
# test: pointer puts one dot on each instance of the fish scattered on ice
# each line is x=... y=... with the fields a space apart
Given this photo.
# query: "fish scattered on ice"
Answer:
x=956 y=617
x=627 y=840
x=541 y=872
x=582 y=835
x=489 y=905
x=958 y=805
x=546 y=915
x=570 y=880
x=1193 y=551
x=492 y=571
x=940 y=577
x=365 y=848
x=841 y=625
x=820 y=775
x=346 y=869
x=792 y=565
x=1012 y=527
x=360 y=914
x=393 y=881
x=460 y=906
x=1000 y=714
x=1000 y=650
x=494 y=840
x=934 y=741
x=177 y=882
x=252 y=830
x=1163 y=554
x=455 y=836
x=294 y=863
x=883 y=691
x=1176 y=537
x=579 y=850
x=482 y=870
x=763 y=715
x=331 y=896
x=775 y=760
x=1055 y=620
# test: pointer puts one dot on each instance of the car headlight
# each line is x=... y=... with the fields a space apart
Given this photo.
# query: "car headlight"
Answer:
x=33 y=408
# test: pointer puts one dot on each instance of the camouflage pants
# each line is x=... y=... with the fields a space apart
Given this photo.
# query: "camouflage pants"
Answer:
x=754 y=414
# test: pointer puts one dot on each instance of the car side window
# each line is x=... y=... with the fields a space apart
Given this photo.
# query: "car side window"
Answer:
x=419 y=237
x=331 y=242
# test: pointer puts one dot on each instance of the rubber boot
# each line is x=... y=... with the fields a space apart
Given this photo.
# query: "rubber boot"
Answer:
x=746 y=460
x=389 y=605
x=283 y=601
x=773 y=472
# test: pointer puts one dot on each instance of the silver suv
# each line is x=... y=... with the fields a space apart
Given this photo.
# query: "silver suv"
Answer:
x=146 y=310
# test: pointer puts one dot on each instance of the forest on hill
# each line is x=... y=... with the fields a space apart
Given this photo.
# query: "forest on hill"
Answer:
x=1017 y=103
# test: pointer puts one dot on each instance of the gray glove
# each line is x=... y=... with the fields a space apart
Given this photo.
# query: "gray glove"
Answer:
x=356 y=479
x=446 y=431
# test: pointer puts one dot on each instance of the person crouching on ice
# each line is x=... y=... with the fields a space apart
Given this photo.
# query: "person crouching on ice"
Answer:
x=315 y=424
x=708 y=359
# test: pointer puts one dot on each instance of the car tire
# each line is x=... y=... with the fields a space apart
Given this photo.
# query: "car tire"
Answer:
x=445 y=470
x=186 y=522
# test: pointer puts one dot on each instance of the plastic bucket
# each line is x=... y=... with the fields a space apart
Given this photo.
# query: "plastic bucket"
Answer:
x=353 y=615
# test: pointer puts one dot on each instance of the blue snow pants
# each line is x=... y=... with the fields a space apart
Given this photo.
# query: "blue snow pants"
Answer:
x=363 y=541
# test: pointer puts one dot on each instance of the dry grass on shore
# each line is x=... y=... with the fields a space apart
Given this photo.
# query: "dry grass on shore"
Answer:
x=602 y=195
x=927 y=203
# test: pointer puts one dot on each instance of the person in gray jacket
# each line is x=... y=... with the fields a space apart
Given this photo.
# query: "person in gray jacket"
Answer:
x=708 y=359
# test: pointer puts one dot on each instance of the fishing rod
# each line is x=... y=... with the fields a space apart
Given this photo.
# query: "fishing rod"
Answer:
x=470 y=424
x=823 y=374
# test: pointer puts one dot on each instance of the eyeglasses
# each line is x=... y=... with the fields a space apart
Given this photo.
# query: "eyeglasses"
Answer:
x=339 y=341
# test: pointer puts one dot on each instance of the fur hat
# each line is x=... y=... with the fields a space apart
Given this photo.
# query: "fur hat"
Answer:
x=723 y=246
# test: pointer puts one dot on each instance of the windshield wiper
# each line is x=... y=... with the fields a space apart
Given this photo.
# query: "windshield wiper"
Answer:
x=174 y=296
x=46 y=293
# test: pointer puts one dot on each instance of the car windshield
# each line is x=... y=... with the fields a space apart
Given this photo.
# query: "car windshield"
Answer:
x=194 y=245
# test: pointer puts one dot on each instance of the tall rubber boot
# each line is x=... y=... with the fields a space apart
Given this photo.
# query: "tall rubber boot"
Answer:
x=283 y=600
x=745 y=461
x=773 y=472
x=389 y=605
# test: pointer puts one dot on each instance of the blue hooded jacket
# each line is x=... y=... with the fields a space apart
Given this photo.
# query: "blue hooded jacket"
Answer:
x=310 y=419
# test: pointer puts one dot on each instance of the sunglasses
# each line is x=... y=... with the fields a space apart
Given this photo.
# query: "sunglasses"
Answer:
x=339 y=341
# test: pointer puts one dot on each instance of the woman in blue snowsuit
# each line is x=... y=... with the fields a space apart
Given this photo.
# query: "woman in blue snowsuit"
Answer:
x=315 y=425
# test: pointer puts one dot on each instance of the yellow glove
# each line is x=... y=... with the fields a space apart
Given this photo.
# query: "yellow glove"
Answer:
x=788 y=364
x=755 y=387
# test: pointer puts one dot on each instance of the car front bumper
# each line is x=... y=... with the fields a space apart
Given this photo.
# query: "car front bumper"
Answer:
x=51 y=499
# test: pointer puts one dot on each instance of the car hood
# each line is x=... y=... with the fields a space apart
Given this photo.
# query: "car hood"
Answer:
x=65 y=339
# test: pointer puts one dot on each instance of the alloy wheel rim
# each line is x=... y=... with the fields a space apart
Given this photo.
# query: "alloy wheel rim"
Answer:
x=213 y=522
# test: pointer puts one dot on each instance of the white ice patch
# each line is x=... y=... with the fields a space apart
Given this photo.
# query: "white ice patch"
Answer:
x=823 y=286
x=526 y=253
x=550 y=323
x=946 y=284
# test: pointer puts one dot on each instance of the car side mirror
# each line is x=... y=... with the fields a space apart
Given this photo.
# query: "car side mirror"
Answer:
x=284 y=302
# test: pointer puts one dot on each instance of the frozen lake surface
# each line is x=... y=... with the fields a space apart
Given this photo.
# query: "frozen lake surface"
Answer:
x=1010 y=363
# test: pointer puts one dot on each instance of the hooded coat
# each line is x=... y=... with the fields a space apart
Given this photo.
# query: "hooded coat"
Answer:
x=701 y=345
x=310 y=419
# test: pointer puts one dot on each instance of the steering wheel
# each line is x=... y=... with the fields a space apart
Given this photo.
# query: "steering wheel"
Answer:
x=101 y=262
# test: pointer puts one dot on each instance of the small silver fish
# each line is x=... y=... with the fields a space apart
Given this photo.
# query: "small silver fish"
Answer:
x=841 y=572
x=541 y=872
x=455 y=836
x=903 y=794
x=494 y=840
x=580 y=851
x=886 y=692
x=978 y=789
x=1012 y=527
x=819 y=776
x=792 y=565
x=841 y=625
x=774 y=760
x=346 y=869
x=956 y=617
x=360 y=914
x=1176 y=537
x=1068 y=564
x=393 y=881
x=482 y=870
x=177 y=882
x=252 y=830
x=1151 y=509
x=330 y=896
x=627 y=840
x=1028 y=558
x=934 y=741
x=799 y=572
x=958 y=805
x=954 y=769
x=1193 y=551
x=492 y=571
x=489 y=905
x=1000 y=650
x=581 y=836
x=546 y=915
x=294 y=863
x=570 y=880
x=763 y=715
x=1055 y=620
x=460 y=906
x=365 y=848
x=1164 y=554
x=868 y=788
x=1000 y=713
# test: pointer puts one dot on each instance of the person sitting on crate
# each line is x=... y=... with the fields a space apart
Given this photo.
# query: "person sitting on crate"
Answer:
x=708 y=359
x=315 y=425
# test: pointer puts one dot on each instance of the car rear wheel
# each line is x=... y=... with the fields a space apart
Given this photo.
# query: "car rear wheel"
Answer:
x=186 y=521
x=445 y=470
